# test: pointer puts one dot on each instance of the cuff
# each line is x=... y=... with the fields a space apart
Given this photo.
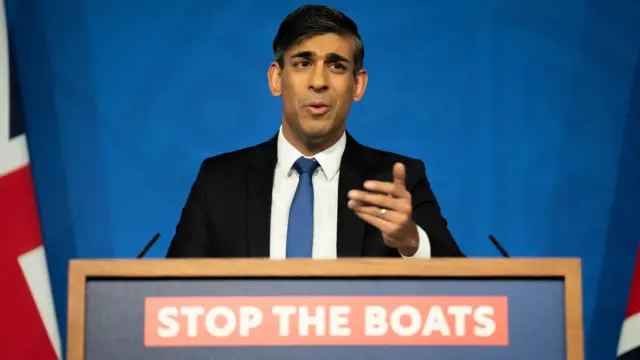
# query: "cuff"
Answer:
x=424 y=247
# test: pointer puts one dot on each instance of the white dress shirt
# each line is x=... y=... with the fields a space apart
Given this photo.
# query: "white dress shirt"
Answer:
x=325 y=204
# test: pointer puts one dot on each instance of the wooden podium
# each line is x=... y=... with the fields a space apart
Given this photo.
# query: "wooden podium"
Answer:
x=325 y=309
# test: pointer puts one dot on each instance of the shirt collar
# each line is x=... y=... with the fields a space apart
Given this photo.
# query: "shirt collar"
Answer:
x=328 y=159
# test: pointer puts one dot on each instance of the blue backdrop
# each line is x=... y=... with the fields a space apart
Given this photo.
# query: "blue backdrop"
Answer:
x=527 y=114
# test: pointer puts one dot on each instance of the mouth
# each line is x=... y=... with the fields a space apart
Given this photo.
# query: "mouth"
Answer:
x=317 y=107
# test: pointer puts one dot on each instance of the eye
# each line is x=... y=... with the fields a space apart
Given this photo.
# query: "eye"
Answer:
x=338 y=66
x=303 y=63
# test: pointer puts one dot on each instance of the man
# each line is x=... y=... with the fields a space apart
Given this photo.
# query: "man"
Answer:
x=312 y=190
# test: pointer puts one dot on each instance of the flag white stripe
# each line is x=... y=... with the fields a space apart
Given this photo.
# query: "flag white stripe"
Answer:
x=14 y=154
x=34 y=269
x=4 y=79
x=630 y=334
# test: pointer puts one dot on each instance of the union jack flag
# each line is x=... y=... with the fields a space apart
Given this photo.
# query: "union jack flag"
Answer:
x=30 y=329
x=629 y=343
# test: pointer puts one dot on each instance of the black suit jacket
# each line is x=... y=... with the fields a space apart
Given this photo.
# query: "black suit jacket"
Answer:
x=228 y=210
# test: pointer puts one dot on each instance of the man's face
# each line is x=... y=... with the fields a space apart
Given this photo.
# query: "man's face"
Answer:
x=317 y=86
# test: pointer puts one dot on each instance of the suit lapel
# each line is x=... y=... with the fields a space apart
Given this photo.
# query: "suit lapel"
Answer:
x=351 y=229
x=259 y=192
x=259 y=183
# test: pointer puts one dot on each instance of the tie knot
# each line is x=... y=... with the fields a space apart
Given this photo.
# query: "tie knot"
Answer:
x=305 y=166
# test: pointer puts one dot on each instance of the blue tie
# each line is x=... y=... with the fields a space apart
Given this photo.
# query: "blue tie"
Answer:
x=300 y=229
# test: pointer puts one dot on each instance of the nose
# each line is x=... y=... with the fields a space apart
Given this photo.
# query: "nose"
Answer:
x=318 y=81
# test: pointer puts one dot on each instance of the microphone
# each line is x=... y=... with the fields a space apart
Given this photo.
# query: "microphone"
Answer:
x=498 y=246
x=148 y=246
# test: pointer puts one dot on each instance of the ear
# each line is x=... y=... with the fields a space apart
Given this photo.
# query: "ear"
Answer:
x=361 y=80
x=275 y=79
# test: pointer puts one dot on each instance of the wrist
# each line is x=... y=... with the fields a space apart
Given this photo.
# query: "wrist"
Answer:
x=410 y=246
x=408 y=251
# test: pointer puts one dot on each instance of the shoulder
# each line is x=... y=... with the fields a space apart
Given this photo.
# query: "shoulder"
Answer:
x=227 y=164
x=377 y=164
x=259 y=154
x=382 y=161
x=231 y=158
x=385 y=158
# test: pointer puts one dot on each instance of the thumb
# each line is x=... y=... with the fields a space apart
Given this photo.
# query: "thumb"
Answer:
x=399 y=174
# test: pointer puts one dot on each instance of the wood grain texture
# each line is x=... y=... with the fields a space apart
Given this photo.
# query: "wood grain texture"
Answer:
x=76 y=313
x=335 y=268
x=574 y=326
x=568 y=269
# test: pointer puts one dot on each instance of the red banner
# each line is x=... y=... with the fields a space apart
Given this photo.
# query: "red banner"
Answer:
x=326 y=320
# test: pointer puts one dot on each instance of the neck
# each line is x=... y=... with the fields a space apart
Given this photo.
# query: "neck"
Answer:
x=310 y=147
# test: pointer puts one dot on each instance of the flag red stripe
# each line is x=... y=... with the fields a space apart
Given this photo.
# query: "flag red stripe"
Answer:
x=23 y=335
x=633 y=306
x=19 y=220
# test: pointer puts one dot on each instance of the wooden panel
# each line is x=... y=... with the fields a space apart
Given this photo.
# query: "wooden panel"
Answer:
x=338 y=268
x=76 y=314
x=569 y=269
x=573 y=312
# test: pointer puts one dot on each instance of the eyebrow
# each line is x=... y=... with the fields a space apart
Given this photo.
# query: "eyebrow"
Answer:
x=331 y=57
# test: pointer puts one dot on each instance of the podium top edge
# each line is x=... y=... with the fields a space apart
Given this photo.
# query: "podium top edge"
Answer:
x=344 y=267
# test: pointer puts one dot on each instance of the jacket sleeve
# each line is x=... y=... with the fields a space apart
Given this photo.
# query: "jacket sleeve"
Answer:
x=427 y=214
x=192 y=238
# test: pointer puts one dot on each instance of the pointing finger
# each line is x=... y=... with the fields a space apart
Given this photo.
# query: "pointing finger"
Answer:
x=399 y=174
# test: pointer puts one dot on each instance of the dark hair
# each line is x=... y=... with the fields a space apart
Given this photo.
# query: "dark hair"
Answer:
x=311 y=20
